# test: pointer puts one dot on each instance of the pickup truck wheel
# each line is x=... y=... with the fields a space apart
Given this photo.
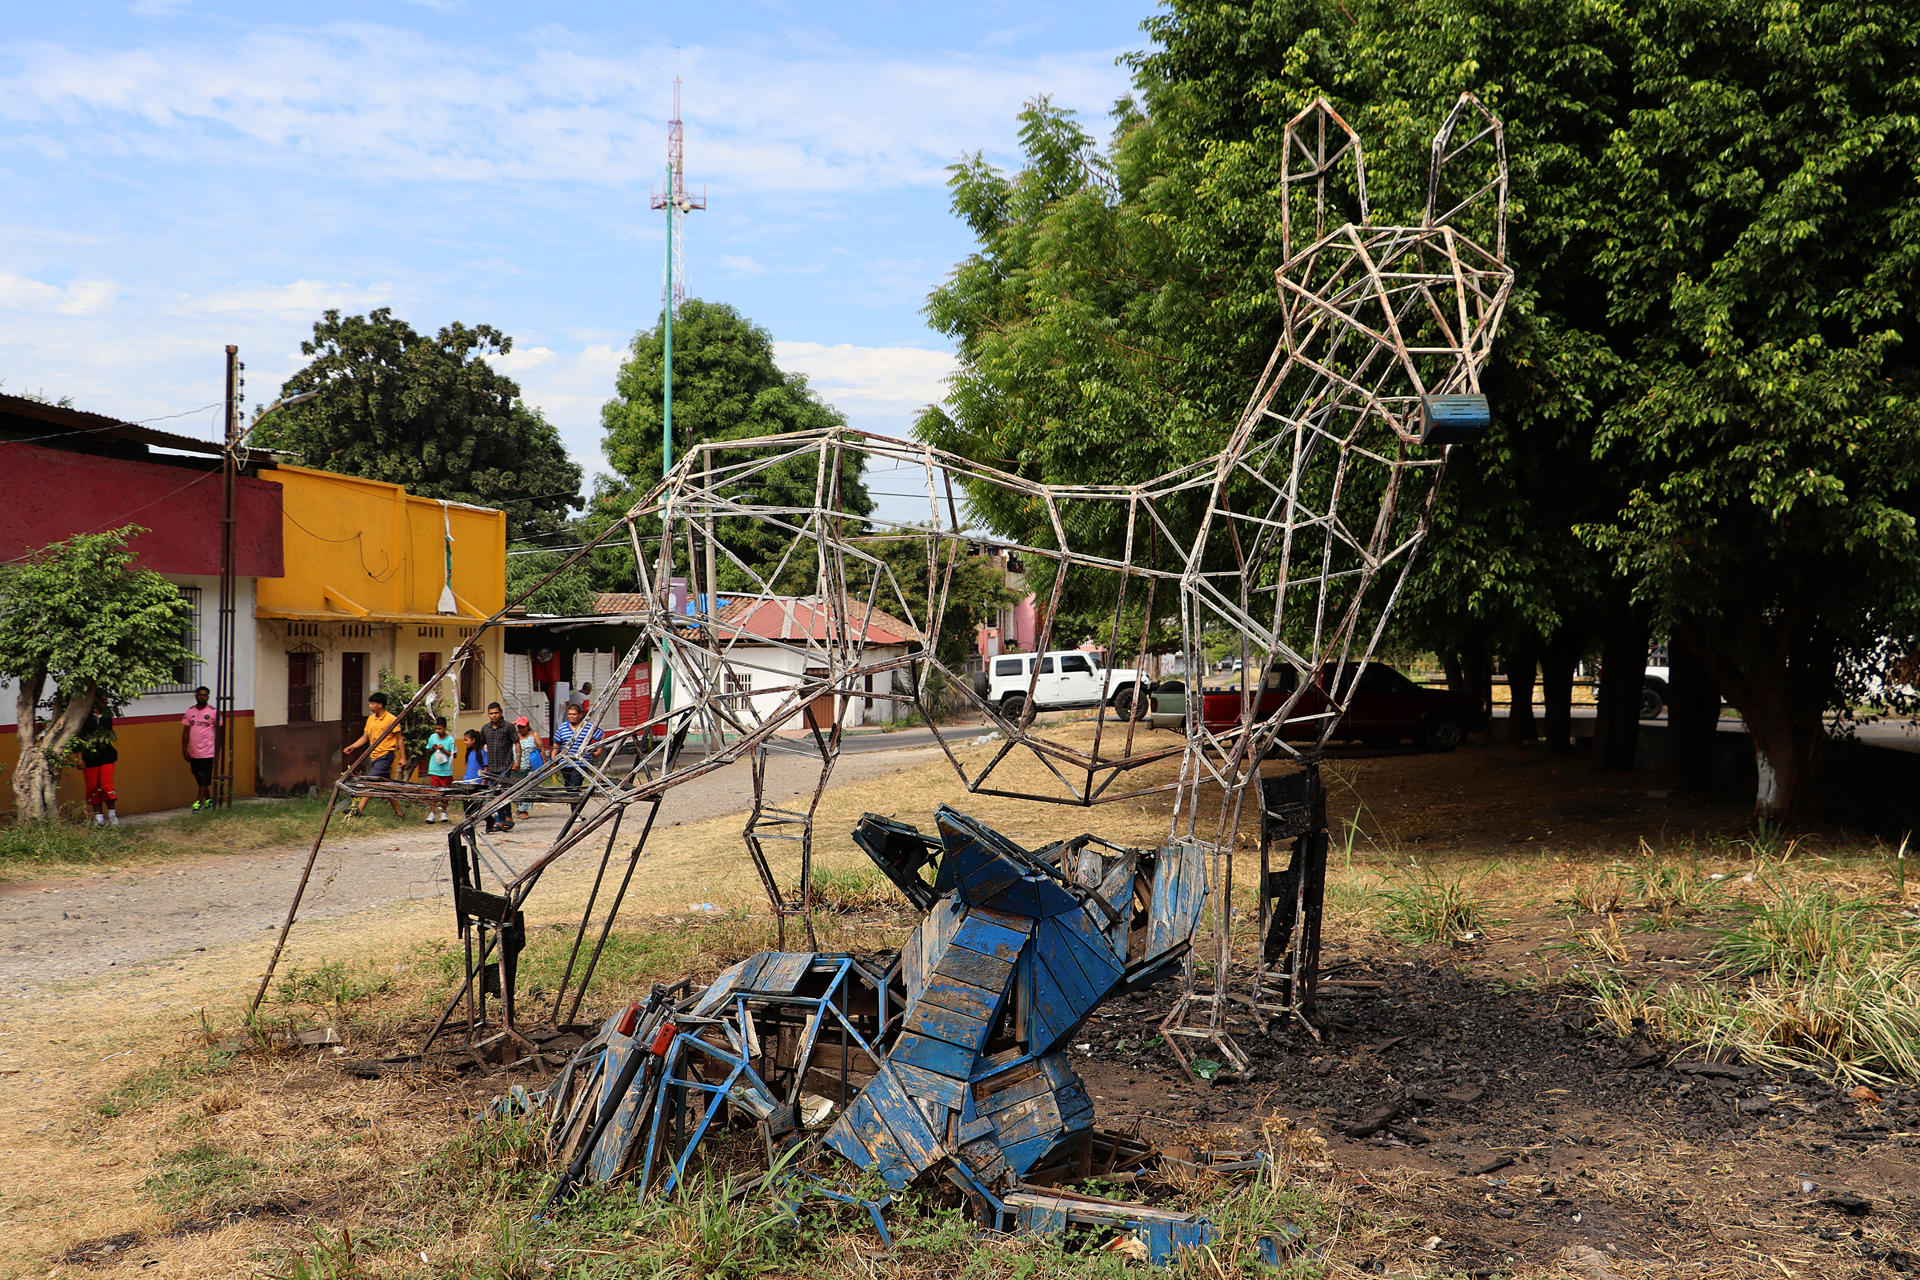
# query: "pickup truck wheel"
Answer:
x=1013 y=707
x=1653 y=700
x=1443 y=731
x=1132 y=703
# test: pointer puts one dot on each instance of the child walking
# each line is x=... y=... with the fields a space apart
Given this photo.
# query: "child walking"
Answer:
x=440 y=748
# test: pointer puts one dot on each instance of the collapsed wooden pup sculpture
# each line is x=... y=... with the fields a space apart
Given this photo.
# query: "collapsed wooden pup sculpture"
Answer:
x=946 y=1057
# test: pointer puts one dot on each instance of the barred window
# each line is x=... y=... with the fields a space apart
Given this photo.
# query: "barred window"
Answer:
x=185 y=677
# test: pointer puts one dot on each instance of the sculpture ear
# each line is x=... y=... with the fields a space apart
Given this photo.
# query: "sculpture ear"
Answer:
x=1317 y=141
x=1476 y=165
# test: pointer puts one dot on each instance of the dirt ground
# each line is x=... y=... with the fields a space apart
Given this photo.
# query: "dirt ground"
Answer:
x=1513 y=1127
x=1664 y=1167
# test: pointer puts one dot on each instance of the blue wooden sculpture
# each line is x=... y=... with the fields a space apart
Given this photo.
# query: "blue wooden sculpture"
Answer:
x=947 y=1061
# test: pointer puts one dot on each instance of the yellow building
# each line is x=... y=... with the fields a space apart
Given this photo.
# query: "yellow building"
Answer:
x=376 y=579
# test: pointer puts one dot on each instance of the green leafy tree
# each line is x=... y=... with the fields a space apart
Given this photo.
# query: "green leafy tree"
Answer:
x=1762 y=241
x=79 y=616
x=569 y=594
x=726 y=386
x=1704 y=403
x=426 y=412
x=975 y=588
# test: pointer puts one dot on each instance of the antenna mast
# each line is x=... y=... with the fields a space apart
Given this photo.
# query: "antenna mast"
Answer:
x=675 y=200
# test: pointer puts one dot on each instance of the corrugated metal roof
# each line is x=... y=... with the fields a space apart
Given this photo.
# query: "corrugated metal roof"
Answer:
x=67 y=424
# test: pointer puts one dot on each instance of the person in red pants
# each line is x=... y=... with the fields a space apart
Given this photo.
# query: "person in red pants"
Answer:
x=97 y=758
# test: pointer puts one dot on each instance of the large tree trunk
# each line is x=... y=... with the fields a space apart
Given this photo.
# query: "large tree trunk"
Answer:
x=1520 y=725
x=33 y=781
x=1558 y=658
x=1469 y=672
x=36 y=782
x=1693 y=719
x=1779 y=680
x=1623 y=670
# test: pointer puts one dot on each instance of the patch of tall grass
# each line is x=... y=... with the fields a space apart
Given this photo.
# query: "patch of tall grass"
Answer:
x=1434 y=908
x=1810 y=980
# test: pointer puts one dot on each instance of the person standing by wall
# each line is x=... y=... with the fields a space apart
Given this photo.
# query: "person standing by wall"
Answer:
x=497 y=736
x=388 y=750
x=200 y=743
x=97 y=759
x=440 y=748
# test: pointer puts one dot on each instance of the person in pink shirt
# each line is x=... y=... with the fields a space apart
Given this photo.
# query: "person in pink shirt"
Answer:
x=199 y=744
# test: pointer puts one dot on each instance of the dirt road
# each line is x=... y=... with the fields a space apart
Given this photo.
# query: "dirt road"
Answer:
x=91 y=926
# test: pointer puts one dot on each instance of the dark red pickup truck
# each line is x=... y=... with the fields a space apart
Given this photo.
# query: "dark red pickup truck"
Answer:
x=1383 y=708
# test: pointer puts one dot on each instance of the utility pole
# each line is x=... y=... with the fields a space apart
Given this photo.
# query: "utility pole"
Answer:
x=675 y=200
x=223 y=659
x=223 y=666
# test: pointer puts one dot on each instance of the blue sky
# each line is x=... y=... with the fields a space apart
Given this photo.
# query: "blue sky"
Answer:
x=181 y=175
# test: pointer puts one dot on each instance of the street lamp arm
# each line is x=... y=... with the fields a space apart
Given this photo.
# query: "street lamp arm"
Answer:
x=301 y=398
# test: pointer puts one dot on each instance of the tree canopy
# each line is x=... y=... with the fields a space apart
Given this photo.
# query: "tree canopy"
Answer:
x=1704 y=406
x=79 y=615
x=426 y=412
x=568 y=595
x=726 y=386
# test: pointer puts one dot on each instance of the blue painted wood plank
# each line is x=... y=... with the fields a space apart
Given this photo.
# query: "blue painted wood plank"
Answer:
x=939 y=1056
x=1179 y=894
x=1036 y=1115
x=963 y=998
x=710 y=998
x=781 y=972
x=1054 y=950
x=1023 y=1090
x=921 y=1083
x=843 y=1138
x=1022 y=1156
x=993 y=1065
x=1006 y=920
x=1094 y=947
x=989 y=938
x=962 y=964
x=1041 y=1219
x=1050 y=1015
x=913 y=1137
x=926 y=1018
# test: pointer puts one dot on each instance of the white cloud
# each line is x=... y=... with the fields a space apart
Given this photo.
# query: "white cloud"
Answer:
x=80 y=298
x=378 y=102
x=301 y=298
x=517 y=362
x=867 y=379
x=741 y=264
x=568 y=387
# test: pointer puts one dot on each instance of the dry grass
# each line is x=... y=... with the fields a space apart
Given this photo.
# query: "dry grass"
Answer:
x=219 y=1163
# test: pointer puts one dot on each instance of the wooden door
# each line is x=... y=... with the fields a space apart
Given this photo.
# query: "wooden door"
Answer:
x=822 y=710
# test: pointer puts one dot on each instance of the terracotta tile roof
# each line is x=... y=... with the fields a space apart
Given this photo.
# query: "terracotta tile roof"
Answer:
x=620 y=602
x=791 y=618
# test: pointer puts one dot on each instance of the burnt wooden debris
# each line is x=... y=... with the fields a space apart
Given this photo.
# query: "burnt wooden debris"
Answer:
x=944 y=1060
x=1291 y=544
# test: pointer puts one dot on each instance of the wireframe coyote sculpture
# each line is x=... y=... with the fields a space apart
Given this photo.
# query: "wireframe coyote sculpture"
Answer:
x=1289 y=547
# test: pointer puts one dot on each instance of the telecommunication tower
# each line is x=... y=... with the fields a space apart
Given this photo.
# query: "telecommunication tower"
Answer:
x=675 y=200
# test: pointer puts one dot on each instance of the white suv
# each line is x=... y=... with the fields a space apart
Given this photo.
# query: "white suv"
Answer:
x=1066 y=678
